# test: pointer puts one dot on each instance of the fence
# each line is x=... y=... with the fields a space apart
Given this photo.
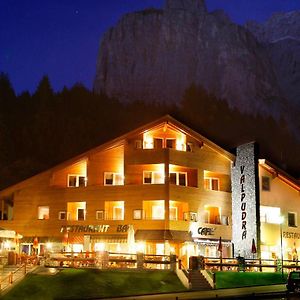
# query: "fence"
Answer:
x=12 y=276
x=241 y=264
x=106 y=260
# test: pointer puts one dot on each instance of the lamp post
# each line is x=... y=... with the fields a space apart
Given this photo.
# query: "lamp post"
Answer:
x=281 y=248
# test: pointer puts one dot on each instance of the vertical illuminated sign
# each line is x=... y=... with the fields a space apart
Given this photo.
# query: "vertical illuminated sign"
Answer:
x=245 y=201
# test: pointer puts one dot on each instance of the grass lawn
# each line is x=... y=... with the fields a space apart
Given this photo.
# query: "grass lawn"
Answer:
x=240 y=279
x=92 y=283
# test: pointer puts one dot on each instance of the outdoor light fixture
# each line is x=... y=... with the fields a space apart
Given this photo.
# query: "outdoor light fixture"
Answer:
x=6 y=245
x=49 y=246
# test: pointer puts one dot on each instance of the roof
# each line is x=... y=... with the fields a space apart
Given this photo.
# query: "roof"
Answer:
x=167 y=119
x=282 y=175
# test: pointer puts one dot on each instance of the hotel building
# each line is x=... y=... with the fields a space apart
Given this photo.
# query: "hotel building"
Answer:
x=165 y=187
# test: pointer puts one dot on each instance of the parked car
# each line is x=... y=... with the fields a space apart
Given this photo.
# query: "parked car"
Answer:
x=293 y=282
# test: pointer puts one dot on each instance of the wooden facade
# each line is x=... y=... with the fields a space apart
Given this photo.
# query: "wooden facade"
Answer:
x=167 y=182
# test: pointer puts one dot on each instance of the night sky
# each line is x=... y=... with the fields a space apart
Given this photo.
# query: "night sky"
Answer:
x=60 y=38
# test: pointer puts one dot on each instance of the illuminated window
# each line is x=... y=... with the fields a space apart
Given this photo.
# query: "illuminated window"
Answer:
x=111 y=178
x=118 y=213
x=160 y=249
x=212 y=184
x=43 y=212
x=153 y=177
x=76 y=211
x=158 y=212
x=270 y=214
x=265 y=183
x=100 y=215
x=292 y=219
x=137 y=214
x=62 y=215
x=212 y=215
x=190 y=216
x=114 y=210
x=173 y=213
x=178 y=178
x=76 y=181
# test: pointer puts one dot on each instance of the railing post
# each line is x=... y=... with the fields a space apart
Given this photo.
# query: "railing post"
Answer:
x=173 y=262
x=140 y=260
x=260 y=267
x=10 y=278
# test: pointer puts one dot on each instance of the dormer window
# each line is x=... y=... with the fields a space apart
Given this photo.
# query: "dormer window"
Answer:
x=76 y=181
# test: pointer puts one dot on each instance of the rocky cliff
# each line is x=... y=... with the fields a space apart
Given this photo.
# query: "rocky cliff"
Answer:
x=280 y=35
x=155 y=55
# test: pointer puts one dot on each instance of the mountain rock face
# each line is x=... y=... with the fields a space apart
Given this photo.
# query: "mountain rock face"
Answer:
x=281 y=36
x=156 y=54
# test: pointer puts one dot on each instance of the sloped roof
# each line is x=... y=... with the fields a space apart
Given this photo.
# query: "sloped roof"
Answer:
x=282 y=175
x=167 y=119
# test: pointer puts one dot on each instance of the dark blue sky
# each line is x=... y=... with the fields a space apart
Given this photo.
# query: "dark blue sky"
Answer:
x=61 y=38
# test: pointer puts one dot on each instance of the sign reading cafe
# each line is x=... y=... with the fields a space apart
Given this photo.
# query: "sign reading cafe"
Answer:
x=244 y=200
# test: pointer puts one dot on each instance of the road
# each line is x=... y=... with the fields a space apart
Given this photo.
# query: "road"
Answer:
x=254 y=292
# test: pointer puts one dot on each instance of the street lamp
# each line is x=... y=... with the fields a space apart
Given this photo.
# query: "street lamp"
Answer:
x=281 y=220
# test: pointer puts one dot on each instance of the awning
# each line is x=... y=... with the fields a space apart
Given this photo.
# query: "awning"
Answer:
x=9 y=234
x=41 y=239
x=109 y=238
x=165 y=235
x=212 y=242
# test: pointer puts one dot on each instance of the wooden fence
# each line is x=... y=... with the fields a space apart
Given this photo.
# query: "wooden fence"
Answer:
x=106 y=260
x=240 y=264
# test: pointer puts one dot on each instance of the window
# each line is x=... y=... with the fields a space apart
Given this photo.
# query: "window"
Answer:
x=178 y=178
x=111 y=178
x=118 y=213
x=190 y=216
x=212 y=184
x=212 y=215
x=158 y=143
x=138 y=144
x=270 y=214
x=76 y=211
x=80 y=214
x=114 y=210
x=224 y=220
x=100 y=215
x=173 y=213
x=76 y=181
x=43 y=212
x=189 y=147
x=147 y=177
x=137 y=214
x=158 y=212
x=153 y=177
x=62 y=215
x=292 y=219
x=170 y=143
x=265 y=183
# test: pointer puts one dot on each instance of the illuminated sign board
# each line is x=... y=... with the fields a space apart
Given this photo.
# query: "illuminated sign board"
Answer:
x=245 y=204
x=92 y=228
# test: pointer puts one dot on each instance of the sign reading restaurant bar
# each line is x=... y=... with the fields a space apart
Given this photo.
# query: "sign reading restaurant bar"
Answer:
x=244 y=201
x=92 y=228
